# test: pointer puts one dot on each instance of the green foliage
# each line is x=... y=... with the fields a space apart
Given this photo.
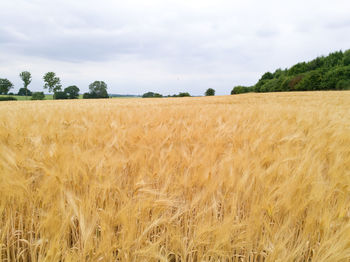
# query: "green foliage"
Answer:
x=311 y=81
x=346 y=58
x=98 y=89
x=7 y=98
x=72 y=92
x=52 y=82
x=210 y=92
x=240 y=90
x=27 y=79
x=323 y=73
x=60 y=95
x=38 y=96
x=333 y=59
x=266 y=76
x=5 y=86
x=316 y=63
x=278 y=73
x=298 y=69
x=183 y=94
x=23 y=92
x=151 y=94
x=332 y=77
x=343 y=85
x=86 y=96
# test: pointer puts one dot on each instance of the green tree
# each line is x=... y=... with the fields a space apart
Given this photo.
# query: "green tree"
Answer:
x=24 y=92
x=52 y=82
x=27 y=79
x=60 y=95
x=151 y=94
x=332 y=77
x=239 y=90
x=72 y=92
x=183 y=94
x=38 y=96
x=98 y=89
x=5 y=86
x=333 y=59
x=311 y=81
x=210 y=92
x=298 y=69
x=346 y=58
x=266 y=76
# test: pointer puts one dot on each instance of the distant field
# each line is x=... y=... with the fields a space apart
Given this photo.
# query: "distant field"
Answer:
x=254 y=177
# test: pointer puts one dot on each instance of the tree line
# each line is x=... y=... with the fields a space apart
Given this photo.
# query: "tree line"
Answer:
x=52 y=83
x=330 y=72
x=323 y=73
x=208 y=92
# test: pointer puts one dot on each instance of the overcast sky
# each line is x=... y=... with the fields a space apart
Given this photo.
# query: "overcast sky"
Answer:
x=165 y=46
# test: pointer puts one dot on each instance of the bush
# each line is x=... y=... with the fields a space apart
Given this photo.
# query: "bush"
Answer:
x=7 y=98
x=92 y=95
x=38 y=96
x=22 y=92
x=60 y=95
x=86 y=96
x=151 y=94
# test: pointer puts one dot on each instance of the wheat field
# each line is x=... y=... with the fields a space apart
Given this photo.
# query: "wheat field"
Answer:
x=253 y=177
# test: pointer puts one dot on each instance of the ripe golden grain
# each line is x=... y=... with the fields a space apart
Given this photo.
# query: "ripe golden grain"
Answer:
x=255 y=177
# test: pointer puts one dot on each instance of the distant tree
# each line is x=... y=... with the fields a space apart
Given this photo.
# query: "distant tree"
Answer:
x=333 y=59
x=52 y=82
x=5 y=86
x=266 y=76
x=38 y=96
x=151 y=94
x=23 y=91
x=72 y=92
x=98 y=89
x=27 y=79
x=184 y=94
x=210 y=92
x=239 y=90
x=311 y=81
x=346 y=58
x=316 y=63
x=298 y=69
x=278 y=73
x=60 y=95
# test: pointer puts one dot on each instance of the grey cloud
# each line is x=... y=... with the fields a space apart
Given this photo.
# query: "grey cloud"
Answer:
x=205 y=44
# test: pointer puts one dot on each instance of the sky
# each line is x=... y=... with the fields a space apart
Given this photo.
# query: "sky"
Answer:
x=165 y=46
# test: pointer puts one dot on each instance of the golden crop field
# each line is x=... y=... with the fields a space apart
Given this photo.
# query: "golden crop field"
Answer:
x=254 y=177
